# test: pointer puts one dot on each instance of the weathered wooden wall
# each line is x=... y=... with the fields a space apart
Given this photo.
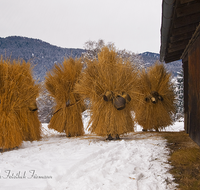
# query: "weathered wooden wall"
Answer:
x=194 y=91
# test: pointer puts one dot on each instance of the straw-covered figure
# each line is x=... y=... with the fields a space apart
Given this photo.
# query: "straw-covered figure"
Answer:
x=18 y=110
x=60 y=83
x=156 y=105
x=109 y=83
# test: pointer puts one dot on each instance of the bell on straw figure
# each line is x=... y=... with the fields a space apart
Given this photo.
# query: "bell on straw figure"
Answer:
x=60 y=83
x=109 y=82
x=156 y=104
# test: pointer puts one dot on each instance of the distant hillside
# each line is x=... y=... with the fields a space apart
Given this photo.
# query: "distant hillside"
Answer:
x=43 y=55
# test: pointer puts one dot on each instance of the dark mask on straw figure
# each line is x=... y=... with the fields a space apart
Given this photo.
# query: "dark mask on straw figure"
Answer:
x=119 y=101
x=154 y=97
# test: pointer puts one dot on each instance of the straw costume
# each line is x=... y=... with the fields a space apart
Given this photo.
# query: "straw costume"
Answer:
x=60 y=84
x=109 y=84
x=157 y=99
x=18 y=109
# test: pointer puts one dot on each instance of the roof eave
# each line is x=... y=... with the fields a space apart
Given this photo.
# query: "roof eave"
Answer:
x=167 y=11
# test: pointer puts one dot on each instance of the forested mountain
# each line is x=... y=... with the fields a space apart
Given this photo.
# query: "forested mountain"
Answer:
x=41 y=54
x=44 y=55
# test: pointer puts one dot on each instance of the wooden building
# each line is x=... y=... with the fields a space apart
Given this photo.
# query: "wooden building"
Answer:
x=180 y=39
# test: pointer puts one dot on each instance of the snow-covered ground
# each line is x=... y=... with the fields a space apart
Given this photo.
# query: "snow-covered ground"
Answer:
x=137 y=162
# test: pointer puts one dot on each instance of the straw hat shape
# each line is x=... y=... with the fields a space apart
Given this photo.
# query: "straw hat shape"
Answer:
x=156 y=104
x=17 y=92
x=67 y=111
x=109 y=82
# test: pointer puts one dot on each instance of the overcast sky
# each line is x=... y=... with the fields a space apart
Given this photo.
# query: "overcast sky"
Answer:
x=130 y=24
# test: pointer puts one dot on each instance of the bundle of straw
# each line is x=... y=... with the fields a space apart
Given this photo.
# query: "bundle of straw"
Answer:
x=17 y=92
x=60 y=83
x=157 y=99
x=109 y=82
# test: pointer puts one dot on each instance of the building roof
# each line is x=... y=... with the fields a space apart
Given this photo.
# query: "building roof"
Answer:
x=180 y=19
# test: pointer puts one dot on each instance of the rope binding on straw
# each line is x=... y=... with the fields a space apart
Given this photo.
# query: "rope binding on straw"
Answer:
x=67 y=105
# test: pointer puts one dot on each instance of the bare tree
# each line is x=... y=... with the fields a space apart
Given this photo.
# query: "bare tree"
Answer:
x=45 y=104
x=93 y=48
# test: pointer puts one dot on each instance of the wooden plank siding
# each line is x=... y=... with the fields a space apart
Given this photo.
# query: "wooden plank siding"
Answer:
x=193 y=116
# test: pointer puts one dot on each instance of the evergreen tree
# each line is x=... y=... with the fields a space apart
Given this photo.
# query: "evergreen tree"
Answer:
x=179 y=94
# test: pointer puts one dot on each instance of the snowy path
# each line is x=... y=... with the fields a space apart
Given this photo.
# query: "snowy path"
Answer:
x=138 y=161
